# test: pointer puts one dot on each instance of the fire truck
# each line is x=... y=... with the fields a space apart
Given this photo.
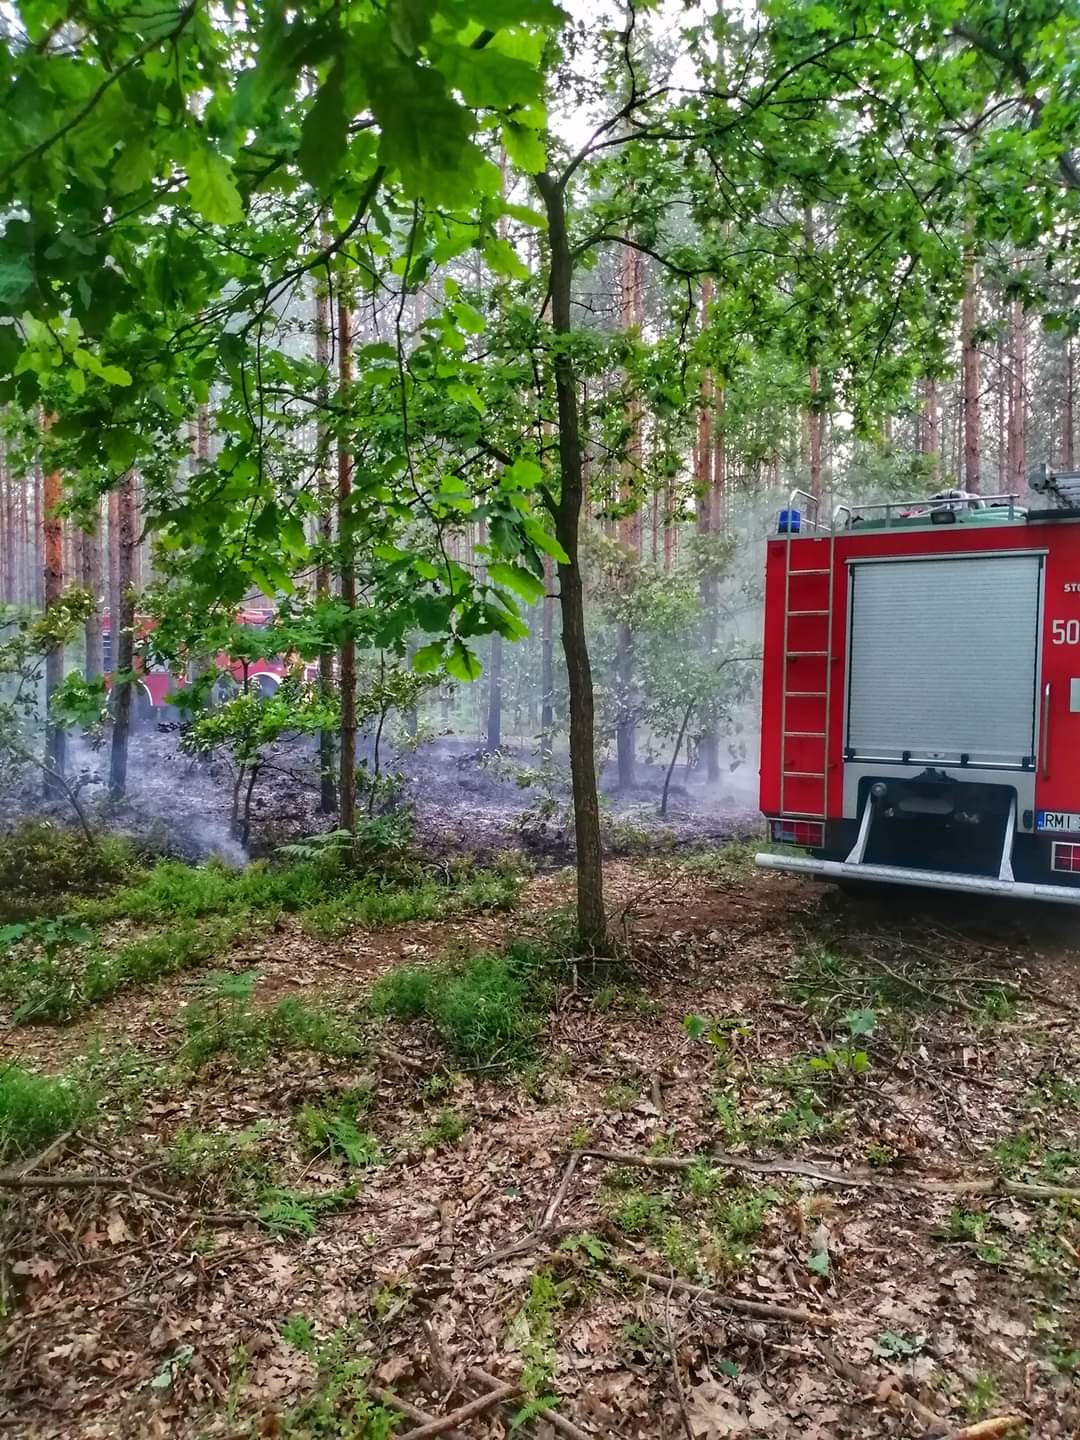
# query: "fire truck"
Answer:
x=153 y=682
x=921 y=691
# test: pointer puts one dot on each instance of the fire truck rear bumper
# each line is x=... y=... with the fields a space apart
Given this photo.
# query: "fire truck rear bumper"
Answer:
x=926 y=879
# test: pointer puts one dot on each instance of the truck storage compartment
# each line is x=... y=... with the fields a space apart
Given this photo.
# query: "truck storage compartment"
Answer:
x=943 y=659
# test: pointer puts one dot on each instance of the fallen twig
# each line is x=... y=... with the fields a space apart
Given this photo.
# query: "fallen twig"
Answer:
x=19 y=1181
x=560 y=1194
x=760 y=1309
x=558 y=1423
x=854 y=1179
x=35 y=1162
x=530 y=1242
x=987 y=1429
x=680 y=1392
x=870 y=1387
x=406 y=1407
x=395 y=1057
x=443 y=1424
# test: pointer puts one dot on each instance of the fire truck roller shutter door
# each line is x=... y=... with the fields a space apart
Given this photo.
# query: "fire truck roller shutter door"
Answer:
x=943 y=659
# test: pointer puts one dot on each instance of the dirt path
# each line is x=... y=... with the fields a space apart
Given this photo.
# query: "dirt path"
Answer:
x=854 y=1310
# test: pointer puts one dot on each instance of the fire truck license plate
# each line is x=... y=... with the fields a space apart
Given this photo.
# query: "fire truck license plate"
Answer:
x=1057 y=820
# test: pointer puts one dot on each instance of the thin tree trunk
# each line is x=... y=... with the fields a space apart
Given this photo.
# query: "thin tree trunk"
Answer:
x=718 y=507
x=629 y=526
x=39 y=536
x=1018 y=401
x=669 y=526
x=1068 y=419
x=114 y=573
x=347 y=779
x=633 y=285
x=592 y=919
x=91 y=551
x=547 y=667
x=55 y=737
x=815 y=423
x=123 y=634
x=626 y=724
x=1004 y=428
x=24 y=542
x=703 y=449
x=931 y=433
x=675 y=757
x=495 y=693
x=814 y=426
x=327 y=786
x=11 y=593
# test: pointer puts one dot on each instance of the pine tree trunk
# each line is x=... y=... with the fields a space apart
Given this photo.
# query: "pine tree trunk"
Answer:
x=494 y=709
x=703 y=449
x=1068 y=419
x=53 y=587
x=625 y=728
x=123 y=634
x=91 y=554
x=592 y=919
x=708 y=519
x=814 y=418
x=10 y=592
x=970 y=370
x=931 y=434
x=669 y=526
x=813 y=432
x=547 y=667
x=39 y=538
x=347 y=774
x=327 y=785
x=25 y=574
x=1017 y=461
x=1004 y=393
x=113 y=542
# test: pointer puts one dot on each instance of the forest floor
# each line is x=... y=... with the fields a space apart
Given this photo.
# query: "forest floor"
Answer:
x=797 y=1165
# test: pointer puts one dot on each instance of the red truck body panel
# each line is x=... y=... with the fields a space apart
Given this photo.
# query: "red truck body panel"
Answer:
x=816 y=663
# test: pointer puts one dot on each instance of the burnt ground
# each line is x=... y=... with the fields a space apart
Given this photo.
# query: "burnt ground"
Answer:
x=880 y=1235
x=463 y=800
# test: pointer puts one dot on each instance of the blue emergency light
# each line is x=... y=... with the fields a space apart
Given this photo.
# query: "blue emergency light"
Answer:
x=790 y=522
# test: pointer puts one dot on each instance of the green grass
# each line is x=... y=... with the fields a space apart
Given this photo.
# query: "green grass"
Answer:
x=35 y=1109
x=58 y=983
x=488 y=1009
x=56 y=969
x=223 y=1021
x=175 y=890
x=329 y=898
x=447 y=1129
x=367 y=905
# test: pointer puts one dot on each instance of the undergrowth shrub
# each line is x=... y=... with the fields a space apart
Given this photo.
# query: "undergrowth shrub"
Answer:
x=41 y=864
x=50 y=981
x=35 y=1109
x=488 y=1008
x=334 y=1130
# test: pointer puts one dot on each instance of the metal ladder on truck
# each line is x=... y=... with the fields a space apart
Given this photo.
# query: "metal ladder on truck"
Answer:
x=806 y=698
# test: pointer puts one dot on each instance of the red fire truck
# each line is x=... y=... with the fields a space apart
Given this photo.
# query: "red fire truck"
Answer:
x=154 y=683
x=921 y=691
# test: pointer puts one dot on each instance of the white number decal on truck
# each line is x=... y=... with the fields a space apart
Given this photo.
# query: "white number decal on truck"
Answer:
x=1065 y=632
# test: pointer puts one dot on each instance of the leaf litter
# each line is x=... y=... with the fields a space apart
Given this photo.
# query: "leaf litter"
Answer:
x=472 y=1246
